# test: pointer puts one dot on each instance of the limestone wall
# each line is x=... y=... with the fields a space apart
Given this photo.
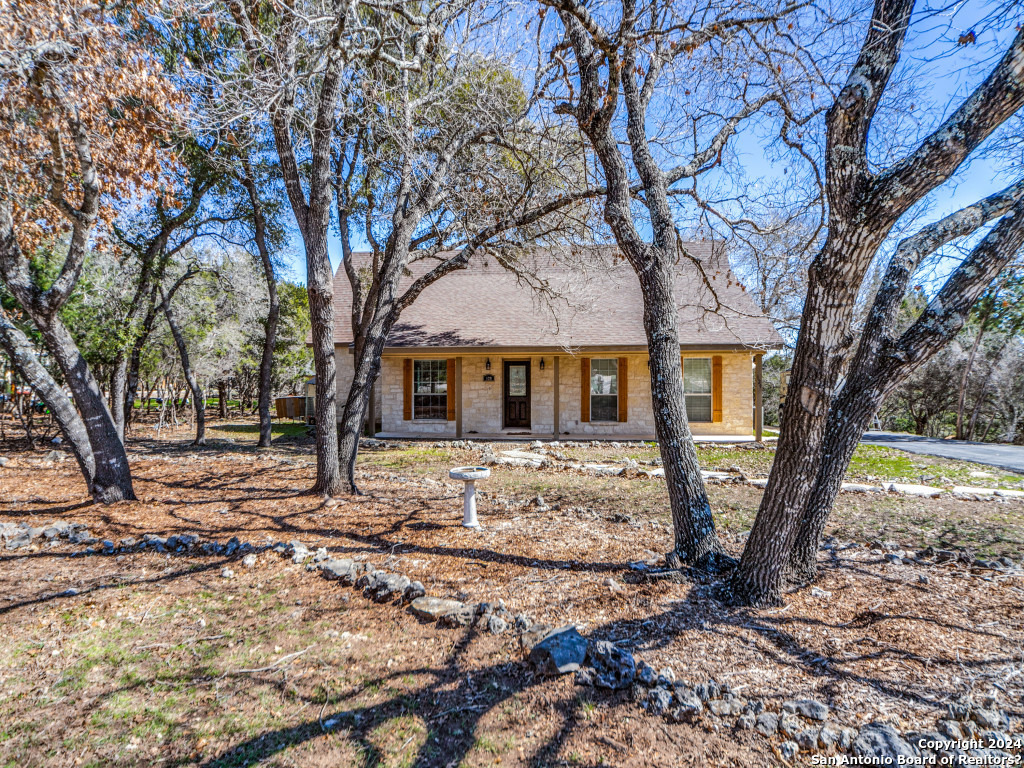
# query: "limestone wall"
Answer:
x=482 y=400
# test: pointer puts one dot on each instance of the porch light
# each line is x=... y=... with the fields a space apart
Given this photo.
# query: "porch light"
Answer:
x=542 y=363
x=487 y=365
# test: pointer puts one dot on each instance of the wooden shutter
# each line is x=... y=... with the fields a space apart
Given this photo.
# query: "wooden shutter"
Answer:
x=451 y=389
x=716 y=388
x=585 y=389
x=623 y=390
x=407 y=389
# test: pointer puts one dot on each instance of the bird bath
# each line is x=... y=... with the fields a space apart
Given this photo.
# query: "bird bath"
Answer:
x=469 y=475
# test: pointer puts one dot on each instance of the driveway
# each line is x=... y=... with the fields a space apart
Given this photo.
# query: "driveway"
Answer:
x=1010 y=457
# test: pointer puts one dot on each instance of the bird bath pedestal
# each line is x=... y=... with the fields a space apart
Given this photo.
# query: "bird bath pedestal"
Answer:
x=469 y=475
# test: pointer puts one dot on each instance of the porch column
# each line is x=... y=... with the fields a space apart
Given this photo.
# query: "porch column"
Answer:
x=554 y=429
x=458 y=397
x=758 y=401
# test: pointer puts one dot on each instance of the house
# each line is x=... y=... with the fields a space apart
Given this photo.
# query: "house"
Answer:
x=560 y=351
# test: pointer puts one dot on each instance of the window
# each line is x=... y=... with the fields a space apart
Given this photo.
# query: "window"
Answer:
x=604 y=390
x=697 y=388
x=430 y=389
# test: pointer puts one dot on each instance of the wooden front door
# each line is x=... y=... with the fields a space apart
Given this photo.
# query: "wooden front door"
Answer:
x=517 y=393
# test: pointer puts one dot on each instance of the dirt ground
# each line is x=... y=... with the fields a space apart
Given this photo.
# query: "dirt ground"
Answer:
x=149 y=659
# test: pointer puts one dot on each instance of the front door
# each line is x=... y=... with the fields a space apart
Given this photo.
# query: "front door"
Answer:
x=517 y=393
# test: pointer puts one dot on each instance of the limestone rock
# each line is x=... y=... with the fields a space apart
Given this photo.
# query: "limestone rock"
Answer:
x=809 y=708
x=433 y=608
x=882 y=741
x=562 y=651
x=614 y=667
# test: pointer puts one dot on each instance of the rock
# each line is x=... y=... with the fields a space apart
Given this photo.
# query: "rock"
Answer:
x=666 y=676
x=689 y=705
x=952 y=729
x=725 y=707
x=459 y=617
x=894 y=558
x=819 y=592
x=522 y=622
x=990 y=719
x=659 y=700
x=809 y=708
x=846 y=738
x=415 y=591
x=745 y=722
x=789 y=750
x=790 y=724
x=585 y=676
x=808 y=738
x=433 y=608
x=344 y=570
x=614 y=667
x=882 y=741
x=767 y=724
x=227 y=573
x=4 y=461
x=249 y=561
x=20 y=540
x=496 y=625
x=754 y=707
x=645 y=674
x=381 y=586
x=829 y=736
x=912 y=489
x=563 y=650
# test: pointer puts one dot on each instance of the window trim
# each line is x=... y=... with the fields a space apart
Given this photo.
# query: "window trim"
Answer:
x=710 y=394
x=415 y=394
x=590 y=386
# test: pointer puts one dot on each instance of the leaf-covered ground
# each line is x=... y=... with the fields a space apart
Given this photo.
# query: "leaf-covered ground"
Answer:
x=159 y=660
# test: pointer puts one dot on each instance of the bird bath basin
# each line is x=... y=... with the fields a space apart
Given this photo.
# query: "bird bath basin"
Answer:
x=469 y=475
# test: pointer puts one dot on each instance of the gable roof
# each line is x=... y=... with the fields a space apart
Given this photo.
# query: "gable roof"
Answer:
x=593 y=300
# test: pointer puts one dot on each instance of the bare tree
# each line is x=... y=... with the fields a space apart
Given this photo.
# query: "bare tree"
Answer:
x=821 y=423
x=624 y=63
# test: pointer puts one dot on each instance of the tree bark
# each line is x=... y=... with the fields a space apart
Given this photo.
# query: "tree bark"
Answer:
x=112 y=480
x=198 y=398
x=26 y=363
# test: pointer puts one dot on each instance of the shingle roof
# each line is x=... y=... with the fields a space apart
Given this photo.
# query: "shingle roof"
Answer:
x=596 y=302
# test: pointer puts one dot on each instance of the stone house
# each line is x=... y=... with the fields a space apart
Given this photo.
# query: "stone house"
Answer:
x=558 y=350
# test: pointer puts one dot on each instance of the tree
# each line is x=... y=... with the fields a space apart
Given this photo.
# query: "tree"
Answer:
x=80 y=108
x=628 y=63
x=823 y=422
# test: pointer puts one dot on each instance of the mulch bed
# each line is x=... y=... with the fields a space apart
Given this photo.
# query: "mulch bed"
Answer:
x=883 y=644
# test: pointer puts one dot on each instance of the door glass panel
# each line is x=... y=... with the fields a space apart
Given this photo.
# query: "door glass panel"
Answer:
x=517 y=381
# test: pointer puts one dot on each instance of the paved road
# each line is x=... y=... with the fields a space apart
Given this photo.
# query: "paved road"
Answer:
x=1009 y=457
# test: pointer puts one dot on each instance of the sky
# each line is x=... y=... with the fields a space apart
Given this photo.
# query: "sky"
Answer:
x=939 y=73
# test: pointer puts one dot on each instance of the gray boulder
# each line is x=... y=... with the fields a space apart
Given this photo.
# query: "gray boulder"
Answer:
x=415 y=591
x=433 y=608
x=882 y=741
x=344 y=570
x=381 y=586
x=659 y=700
x=614 y=668
x=767 y=724
x=564 y=650
x=809 y=708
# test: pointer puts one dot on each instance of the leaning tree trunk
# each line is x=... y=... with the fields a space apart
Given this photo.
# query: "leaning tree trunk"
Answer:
x=112 y=481
x=367 y=367
x=961 y=402
x=696 y=541
x=198 y=398
x=823 y=340
x=26 y=363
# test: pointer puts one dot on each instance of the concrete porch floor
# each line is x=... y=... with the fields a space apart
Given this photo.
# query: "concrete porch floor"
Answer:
x=548 y=438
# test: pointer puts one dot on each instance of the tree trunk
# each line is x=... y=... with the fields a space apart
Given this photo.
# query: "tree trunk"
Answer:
x=696 y=541
x=222 y=399
x=112 y=481
x=367 y=367
x=320 y=289
x=26 y=363
x=198 y=398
